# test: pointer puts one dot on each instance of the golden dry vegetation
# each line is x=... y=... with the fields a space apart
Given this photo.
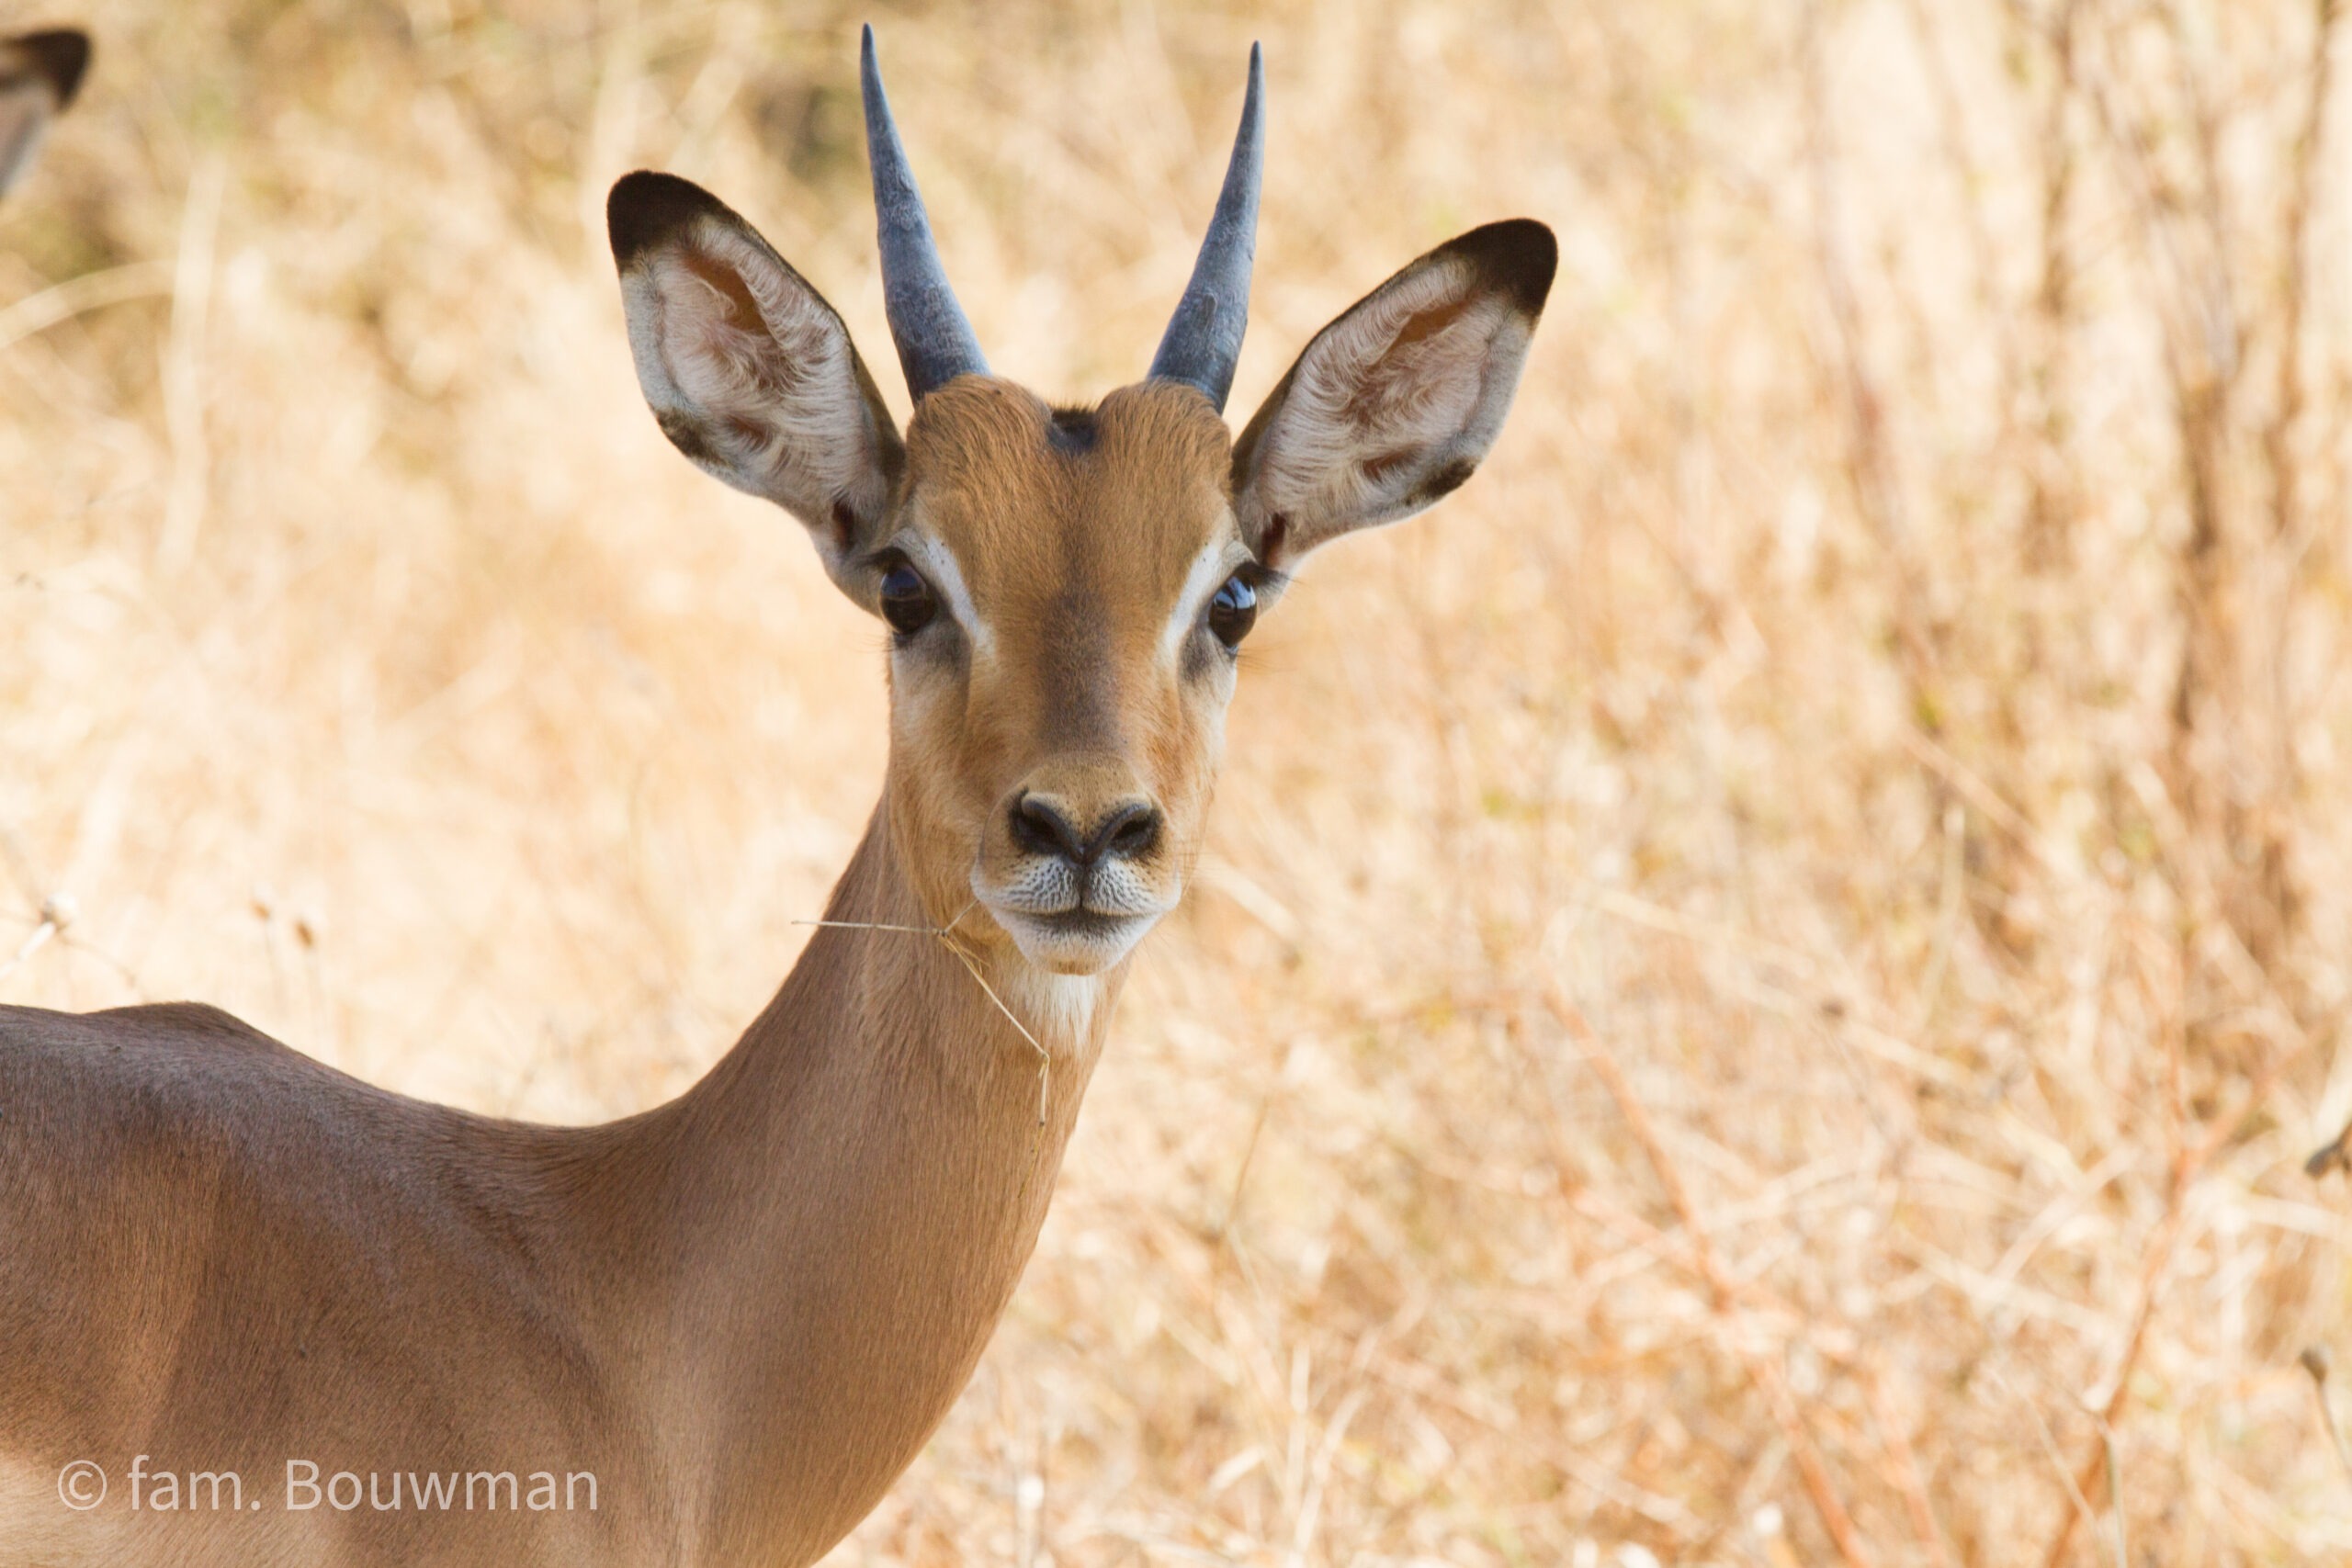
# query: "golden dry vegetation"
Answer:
x=1765 y=977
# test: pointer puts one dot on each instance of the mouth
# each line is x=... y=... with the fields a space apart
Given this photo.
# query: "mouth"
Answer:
x=1085 y=923
x=1078 y=940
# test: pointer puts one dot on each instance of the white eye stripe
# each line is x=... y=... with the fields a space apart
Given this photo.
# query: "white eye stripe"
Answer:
x=937 y=564
x=1217 y=561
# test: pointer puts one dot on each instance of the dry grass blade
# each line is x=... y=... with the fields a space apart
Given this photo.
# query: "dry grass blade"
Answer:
x=1931 y=397
x=1820 y=1490
x=947 y=939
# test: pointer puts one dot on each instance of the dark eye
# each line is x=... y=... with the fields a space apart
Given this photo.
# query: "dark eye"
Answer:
x=906 y=601
x=1232 y=612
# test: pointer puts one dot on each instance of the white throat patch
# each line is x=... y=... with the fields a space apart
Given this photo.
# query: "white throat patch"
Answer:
x=1061 y=1009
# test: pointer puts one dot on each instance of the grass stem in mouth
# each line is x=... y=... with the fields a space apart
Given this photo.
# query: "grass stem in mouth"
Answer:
x=1045 y=1058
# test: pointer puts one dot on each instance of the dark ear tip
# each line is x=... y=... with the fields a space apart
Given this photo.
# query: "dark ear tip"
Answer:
x=61 y=56
x=1520 y=252
x=646 y=208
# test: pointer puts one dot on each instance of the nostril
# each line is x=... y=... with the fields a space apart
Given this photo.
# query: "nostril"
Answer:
x=1042 y=830
x=1132 y=830
x=1039 y=827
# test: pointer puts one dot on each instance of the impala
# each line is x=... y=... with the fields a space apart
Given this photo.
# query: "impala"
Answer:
x=740 y=1313
x=39 y=74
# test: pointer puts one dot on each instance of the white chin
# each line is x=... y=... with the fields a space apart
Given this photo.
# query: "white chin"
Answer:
x=1062 y=947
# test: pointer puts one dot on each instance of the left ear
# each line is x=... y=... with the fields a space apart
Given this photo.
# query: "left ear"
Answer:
x=1393 y=405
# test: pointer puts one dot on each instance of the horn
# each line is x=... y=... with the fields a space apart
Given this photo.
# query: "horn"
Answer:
x=1204 y=337
x=935 y=343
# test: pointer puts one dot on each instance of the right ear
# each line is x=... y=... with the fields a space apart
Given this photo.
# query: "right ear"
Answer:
x=1393 y=405
x=748 y=371
x=39 y=76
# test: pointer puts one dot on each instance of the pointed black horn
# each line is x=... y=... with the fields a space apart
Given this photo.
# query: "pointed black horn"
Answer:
x=935 y=343
x=1203 y=339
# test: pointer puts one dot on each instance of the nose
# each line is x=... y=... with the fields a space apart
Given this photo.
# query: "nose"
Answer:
x=1042 y=825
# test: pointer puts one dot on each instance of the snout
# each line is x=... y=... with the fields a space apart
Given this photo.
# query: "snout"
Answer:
x=1042 y=825
x=1075 y=868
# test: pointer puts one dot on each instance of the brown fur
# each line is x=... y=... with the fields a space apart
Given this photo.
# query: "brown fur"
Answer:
x=1079 y=557
x=743 y=1312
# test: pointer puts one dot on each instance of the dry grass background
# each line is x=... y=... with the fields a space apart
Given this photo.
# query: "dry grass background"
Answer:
x=1766 y=977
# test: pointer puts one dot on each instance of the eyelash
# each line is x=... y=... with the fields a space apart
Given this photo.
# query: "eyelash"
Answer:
x=906 y=612
x=917 y=609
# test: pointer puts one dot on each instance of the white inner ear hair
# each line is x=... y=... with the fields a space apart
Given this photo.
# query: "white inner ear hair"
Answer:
x=1416 y=378
x=769 y=405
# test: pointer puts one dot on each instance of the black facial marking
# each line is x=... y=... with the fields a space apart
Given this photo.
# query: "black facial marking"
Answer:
x=1073 y=431
x=1076 y=667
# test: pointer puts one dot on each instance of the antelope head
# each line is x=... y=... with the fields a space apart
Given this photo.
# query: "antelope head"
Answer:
x=1065 y=589
x=39 y=74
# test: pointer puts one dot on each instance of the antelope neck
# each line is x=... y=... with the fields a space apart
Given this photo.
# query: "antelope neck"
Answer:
x=842 y=1208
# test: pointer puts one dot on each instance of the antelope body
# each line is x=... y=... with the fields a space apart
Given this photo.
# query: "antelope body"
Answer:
x=744 y=1312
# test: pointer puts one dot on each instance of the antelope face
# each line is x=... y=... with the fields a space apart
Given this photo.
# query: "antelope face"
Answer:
x=1067 y=590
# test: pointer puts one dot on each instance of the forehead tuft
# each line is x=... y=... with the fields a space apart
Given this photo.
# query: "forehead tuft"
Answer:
x=1114 y=501
x=1072 y=432
x=1167 y=420
x=976 y=435
x=1160 y=466
x=979 y=426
